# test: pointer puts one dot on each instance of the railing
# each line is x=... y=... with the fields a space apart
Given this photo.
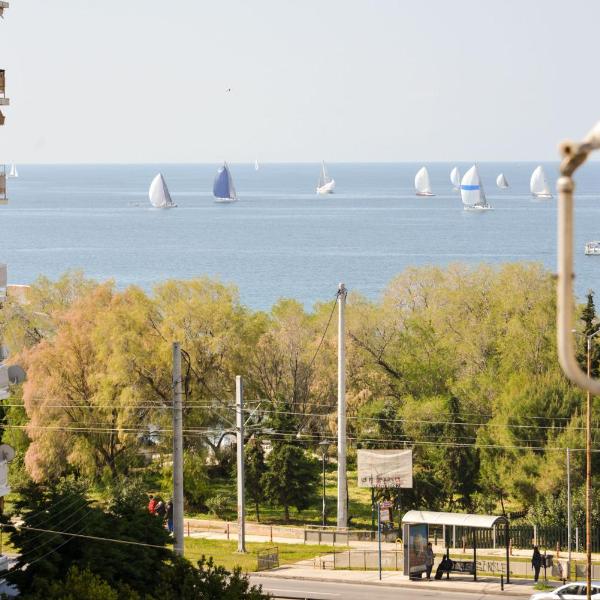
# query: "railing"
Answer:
x=267 y=559
x=522 y=536
x=333 y=535
x=363 y=560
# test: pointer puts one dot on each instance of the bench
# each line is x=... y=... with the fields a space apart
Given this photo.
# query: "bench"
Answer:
x=454 y=566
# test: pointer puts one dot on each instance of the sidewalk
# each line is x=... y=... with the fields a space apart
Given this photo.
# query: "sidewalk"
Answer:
x=485 y=585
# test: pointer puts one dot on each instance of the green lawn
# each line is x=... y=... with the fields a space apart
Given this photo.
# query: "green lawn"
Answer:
x=224 y=552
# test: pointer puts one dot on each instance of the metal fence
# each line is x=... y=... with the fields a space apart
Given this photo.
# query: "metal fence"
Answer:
x=365 y=560
x=268 y=558
x=522 y=536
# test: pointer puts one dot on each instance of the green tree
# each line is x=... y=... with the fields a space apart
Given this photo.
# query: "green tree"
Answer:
x=255 y=470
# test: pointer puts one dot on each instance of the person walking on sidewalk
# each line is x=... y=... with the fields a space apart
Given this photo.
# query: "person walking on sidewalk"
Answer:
x=429 y=560
x=169 y=515
x=536 y=562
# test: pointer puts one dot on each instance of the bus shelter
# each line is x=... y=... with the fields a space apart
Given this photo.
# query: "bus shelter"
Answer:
x=415 y=535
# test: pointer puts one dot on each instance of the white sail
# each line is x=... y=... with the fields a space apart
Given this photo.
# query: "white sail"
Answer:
x=422 y=184
x=256 y=166
x=159 y=193
x=455 y=178
x=326 y=184
x=13 y=171
x=472 y=192
x=501 y=181
x=539 y=184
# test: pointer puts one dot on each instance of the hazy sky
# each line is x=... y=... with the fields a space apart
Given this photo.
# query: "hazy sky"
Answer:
x=343 y=80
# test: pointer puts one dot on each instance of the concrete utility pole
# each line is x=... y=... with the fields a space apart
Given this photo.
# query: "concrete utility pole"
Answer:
x=177 y=453
x=241 y=502
x=342 y=495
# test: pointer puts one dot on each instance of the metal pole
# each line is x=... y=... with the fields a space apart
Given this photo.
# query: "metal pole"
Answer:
x=569 y=507
x=324 y=518
x=239 y=427
x=379 y=536
x=178 y=532
x=588 y=477
x=342 y=495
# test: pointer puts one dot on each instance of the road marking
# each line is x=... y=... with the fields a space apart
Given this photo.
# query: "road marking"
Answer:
x=270 y=589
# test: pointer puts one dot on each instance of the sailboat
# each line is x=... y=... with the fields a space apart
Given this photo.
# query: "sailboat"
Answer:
x=455 y=178
x=471 y=191
x=223 y=189
x=13 y=171
x=501 y=181
x=159 y=193
x=422 y=184
x=326 y=184
x=256 y=167
x=539 y=184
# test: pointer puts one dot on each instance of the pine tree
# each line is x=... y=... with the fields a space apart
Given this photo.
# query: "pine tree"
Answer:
x=255 y=472
x=292 y=476
x=590 y=327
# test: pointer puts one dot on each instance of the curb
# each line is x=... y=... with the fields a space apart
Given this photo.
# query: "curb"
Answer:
x=407 y=585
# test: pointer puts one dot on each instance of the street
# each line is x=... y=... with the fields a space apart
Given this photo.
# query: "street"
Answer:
x=293 y=588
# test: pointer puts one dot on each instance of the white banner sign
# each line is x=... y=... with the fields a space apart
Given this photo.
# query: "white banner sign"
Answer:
x=385 y=468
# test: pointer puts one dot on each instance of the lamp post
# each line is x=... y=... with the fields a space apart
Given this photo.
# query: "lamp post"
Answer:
x=574 y=154
x=324 y=445
x=588 y=469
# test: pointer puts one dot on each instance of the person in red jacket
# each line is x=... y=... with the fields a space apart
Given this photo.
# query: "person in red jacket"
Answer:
x=152 y=505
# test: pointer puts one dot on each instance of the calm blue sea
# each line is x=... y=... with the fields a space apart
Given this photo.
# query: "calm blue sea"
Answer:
x=280 y=239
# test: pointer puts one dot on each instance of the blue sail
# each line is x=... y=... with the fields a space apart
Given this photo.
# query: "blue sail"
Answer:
x=221 y=187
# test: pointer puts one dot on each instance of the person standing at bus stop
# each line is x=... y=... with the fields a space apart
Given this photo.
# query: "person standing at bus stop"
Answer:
x=429 y=560
x=536 y=562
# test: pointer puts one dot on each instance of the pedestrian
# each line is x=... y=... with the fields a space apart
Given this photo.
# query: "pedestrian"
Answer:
x=160 y=509
x=152 y=505
x=429 y=560
x=169 y=515
x=536 y=562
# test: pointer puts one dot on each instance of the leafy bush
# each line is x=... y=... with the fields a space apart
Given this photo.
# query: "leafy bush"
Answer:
x=220 y=505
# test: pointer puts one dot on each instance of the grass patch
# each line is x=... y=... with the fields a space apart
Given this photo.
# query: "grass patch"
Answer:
x=224 y=552
x=543 y=587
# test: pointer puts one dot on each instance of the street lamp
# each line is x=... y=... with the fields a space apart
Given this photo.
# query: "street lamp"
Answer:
x=324 y=445
x=574 y=154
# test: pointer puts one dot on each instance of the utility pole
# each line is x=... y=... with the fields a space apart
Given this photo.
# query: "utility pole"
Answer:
x=569 y=506
x=342 y=495
x=177 y=452
x=239 y=428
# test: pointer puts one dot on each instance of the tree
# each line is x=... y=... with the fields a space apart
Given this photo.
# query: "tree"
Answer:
x=64 y=509
x=255 y=473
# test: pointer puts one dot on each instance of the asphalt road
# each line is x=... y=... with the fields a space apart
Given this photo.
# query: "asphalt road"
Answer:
x=317 y=590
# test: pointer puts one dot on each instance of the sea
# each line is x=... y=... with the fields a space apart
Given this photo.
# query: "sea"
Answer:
x=281 y=239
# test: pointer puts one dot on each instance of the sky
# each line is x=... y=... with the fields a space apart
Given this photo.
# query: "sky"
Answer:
x=127 y=81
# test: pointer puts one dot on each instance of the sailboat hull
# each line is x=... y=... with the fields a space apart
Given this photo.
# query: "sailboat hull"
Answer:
x=542 y=196
x=225 y=200
x=328 y=188
x=477 y=208
x=425 y=194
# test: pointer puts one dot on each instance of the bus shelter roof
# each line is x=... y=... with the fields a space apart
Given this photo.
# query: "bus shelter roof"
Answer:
x=458 y=519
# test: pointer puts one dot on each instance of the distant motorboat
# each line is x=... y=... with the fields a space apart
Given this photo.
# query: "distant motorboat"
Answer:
x=472 y=192
x=539 y=184
x=422 y=184
x=159 y=193
x=256 y=167
x=13 y=171
x=326 y=184
x=501 y=181
x=223 y=188
x=592 y=248
x=455 y=178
